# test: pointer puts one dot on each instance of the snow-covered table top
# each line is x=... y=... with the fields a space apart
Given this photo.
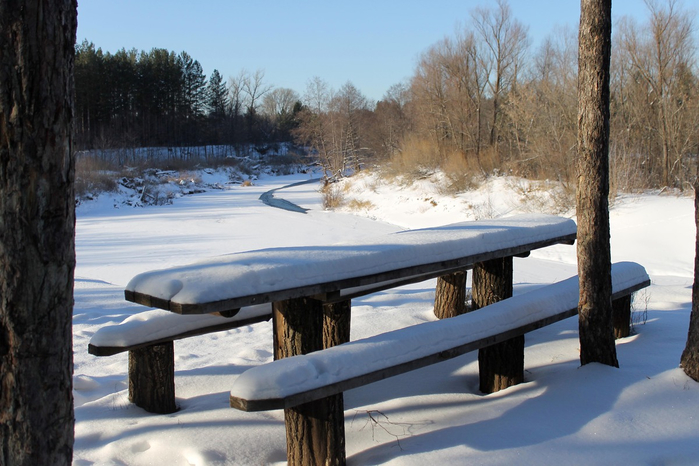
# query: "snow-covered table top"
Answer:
x=236 y=280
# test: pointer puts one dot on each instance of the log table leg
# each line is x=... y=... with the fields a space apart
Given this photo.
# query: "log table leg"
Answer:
x=315 y=431
x=152 y=378
x=450 y=295
x=621 y=316
x=500 y=365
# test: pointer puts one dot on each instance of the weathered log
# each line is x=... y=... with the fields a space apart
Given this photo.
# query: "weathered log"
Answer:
x=450 y=295
x=500 y=365
x=315 y=431
x=152 y=378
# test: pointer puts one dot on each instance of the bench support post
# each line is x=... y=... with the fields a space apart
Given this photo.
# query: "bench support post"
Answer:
x=450 y=295
x=152 y=378
x=500 y=365
x=621 y=316
x=315 y=431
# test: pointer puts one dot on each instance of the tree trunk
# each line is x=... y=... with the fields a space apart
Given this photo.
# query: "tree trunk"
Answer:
x=690 y=356
x=315 y=431
x=450 y=295
x=594 y=255
x=37 y=217
x=152 y=378
x=500 y=365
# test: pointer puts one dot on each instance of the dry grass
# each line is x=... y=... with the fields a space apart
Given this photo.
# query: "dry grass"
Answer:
x=333 y=196
x=94 y=176
x=356 y=204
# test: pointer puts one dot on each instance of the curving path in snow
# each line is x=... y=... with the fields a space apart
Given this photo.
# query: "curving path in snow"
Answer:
x=269 y=199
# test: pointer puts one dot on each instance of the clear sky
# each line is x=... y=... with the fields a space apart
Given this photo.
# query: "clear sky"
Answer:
x=373 y=44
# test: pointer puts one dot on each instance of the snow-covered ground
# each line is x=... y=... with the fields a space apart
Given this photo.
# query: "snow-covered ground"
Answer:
x=645 y=412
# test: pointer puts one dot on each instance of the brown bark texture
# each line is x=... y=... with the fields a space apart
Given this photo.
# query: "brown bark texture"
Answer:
x=152 y=378
x=315 y=431
x=690 y=356
x=337 y=319
x=450 y=295
x=500 y=365
x=37 y=253
x=621 y=317
x=593 y=248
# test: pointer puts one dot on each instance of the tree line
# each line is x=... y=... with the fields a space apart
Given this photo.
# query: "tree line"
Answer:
x=479 y=101
x=160 y=98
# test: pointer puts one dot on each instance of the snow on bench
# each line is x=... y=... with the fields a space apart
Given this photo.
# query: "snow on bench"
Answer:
x=242 y=279
x=300 y=379
x=157 y=326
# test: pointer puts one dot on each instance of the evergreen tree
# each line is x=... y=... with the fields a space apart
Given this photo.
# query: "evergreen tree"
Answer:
x=216 y=96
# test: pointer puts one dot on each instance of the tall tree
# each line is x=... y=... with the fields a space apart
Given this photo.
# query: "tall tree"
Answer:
x=594 y=252
x=690 y=356
x=37 y=253
x=506 y=39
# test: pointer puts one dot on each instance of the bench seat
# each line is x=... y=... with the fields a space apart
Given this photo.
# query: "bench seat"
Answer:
x=300 y=379
x=157 y=326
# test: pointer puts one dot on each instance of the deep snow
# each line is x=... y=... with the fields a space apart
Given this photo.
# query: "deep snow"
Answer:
x=645 y=412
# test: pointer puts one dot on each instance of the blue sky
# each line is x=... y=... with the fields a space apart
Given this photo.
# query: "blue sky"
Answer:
x=373 y=44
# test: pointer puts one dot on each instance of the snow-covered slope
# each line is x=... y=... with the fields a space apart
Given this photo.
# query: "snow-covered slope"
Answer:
x=645 y=412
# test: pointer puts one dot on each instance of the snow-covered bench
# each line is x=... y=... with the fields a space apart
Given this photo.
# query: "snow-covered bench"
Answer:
x=298 y=381
x=311 y=287
x=148 y=337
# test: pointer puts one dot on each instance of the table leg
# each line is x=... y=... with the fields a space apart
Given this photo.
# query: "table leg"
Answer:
x=450 y=295
x=500 y=365
x=315 y=431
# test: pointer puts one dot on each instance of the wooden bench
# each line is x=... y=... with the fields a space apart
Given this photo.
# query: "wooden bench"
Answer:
x=298 y=381
x=148 y=337
x=311 y=287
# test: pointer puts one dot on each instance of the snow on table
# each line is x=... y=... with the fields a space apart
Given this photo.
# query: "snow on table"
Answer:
x=260 y=272
x=299 y=374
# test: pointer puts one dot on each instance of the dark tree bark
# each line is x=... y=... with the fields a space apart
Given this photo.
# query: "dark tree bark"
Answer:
x=500 y=365
x=594 y=255
x=690 y=356
x=450 y=295
x=315 y=431
x=37 y=253
x=152 y=378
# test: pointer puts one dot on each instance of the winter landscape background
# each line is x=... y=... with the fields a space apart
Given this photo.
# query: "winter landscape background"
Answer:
x=645 y=412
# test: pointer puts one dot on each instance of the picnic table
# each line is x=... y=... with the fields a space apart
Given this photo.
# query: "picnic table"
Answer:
x=311 y=288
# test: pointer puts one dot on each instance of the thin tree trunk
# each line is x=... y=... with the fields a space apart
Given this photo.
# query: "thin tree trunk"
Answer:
x=500 y=365
x=37 y=217
x=594 y=255
x=690 y=356
x=450 y=295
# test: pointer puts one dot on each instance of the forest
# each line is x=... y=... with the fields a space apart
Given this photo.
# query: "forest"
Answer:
x=481 y=101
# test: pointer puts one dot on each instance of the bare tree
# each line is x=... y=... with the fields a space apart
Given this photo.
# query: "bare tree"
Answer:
x=507 y=41
x=37 y=254
x=658 y=55
x=594 y=255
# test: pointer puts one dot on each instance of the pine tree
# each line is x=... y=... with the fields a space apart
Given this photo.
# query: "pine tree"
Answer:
x=37 y=217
